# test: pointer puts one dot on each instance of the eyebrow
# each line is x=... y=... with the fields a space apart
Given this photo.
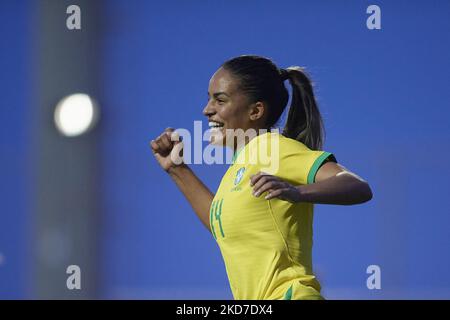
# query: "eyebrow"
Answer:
x=219 y=93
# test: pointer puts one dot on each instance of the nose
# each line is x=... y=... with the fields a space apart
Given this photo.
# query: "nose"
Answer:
x=208 y=110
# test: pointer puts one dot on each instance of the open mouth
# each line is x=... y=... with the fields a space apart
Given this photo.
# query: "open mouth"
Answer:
x=215 y=124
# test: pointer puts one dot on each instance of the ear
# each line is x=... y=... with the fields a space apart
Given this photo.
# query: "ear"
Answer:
x=257 y=111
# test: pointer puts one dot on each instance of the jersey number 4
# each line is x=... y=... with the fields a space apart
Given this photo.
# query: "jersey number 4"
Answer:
x=214 y=214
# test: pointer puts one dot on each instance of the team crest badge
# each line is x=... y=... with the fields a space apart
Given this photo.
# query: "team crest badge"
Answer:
x=239 y=176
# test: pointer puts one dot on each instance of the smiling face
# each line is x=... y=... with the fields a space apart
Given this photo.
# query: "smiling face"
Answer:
x=229 y=108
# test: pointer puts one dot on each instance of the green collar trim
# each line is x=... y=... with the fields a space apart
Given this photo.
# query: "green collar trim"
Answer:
x=288 y=294
x=235 y=155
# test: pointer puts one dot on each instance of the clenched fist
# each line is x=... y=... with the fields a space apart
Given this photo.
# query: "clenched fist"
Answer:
x=168 y=149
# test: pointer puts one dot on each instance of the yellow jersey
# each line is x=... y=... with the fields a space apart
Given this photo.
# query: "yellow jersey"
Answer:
x=266 y=244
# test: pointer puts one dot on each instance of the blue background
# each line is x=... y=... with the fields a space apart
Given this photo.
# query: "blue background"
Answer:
x=384 y=95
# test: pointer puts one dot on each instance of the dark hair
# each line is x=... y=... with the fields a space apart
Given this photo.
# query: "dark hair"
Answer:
x=263 y=81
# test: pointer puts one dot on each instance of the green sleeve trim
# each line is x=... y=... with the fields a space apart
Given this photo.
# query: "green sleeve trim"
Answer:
x=316 y=165
x=288 y=294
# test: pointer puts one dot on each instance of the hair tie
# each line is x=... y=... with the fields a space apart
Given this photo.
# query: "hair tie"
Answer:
x=284 y=74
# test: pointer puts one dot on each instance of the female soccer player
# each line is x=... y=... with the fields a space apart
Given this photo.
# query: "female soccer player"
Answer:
x=263 y=222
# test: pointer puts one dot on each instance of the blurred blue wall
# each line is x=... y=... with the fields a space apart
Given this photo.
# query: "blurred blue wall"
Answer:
x=384 y=95
x=16 y=86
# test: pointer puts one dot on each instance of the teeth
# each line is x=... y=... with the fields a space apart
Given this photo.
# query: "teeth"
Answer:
x=213 y=124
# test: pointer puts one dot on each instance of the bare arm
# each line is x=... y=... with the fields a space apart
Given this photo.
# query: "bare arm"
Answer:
x=194 y=190
x=334 y=184
x=165 y=150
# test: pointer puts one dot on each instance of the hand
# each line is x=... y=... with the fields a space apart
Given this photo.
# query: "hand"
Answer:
x=275 y=188
x=167 y=149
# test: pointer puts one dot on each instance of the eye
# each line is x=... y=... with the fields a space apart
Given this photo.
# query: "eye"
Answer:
x=219 y=101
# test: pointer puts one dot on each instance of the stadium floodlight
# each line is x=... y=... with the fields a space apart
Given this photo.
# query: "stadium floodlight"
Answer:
x=75 y=114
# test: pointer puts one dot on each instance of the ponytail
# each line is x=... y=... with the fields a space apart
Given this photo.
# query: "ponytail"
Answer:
x=304 y=121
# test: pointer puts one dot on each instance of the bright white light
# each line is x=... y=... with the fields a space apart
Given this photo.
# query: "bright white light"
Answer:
x=75 y=114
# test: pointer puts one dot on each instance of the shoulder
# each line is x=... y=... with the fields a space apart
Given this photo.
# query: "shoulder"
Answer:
x=277 y=140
